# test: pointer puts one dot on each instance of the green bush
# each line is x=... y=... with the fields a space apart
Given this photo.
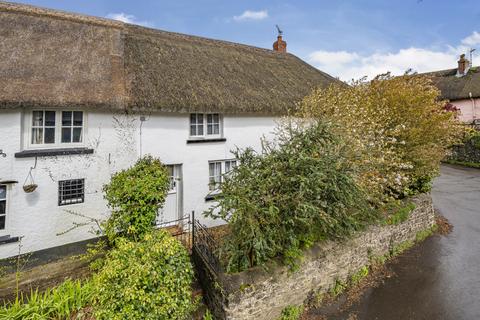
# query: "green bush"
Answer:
x=148 y=279
x=398 y=128
x=58 y=303
x=291 y=313
x=401 y=214
x=134 y=195
x=298 y=191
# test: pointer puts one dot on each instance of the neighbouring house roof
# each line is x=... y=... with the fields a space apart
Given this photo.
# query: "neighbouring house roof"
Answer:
x=456 y=88
x=56 y=59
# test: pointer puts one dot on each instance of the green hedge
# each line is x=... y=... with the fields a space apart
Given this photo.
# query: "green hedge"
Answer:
x=149 y=279
x=134 y=195
x=298 y=191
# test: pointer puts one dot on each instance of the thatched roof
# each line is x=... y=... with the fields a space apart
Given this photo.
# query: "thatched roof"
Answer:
x=51 y=58
x=456 y=88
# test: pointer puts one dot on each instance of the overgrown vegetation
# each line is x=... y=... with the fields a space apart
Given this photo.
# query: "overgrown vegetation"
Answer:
x=466 y=153
x=355 y=151
x=291 y=313
x=135 y=195
x=147 y=279
x=141 y=273
x=397 y=127
x=299 y=190
x=61 y=302
x=401 y=213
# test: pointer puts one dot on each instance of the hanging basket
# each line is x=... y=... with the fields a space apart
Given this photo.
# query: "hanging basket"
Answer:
x=29 y=188
x=29 y=185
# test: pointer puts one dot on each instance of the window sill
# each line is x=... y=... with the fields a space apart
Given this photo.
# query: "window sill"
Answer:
x=8 y=239
x=8 y=181
x=213 y=197
x=206 y=140
x=52 y=152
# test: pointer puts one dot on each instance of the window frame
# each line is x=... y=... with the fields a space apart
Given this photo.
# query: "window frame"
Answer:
x=28 y=130
x=173 y=178
x=223 y=165
x=4 y=231
x=60 y=198
x=205 y=125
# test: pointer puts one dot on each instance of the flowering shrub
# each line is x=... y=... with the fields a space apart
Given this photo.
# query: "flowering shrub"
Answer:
x=134 y=195
x=397 y=128
x=148 y=279
x=298 y=191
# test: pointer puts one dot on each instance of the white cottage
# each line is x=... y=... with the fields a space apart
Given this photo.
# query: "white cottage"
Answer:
x=83 y=97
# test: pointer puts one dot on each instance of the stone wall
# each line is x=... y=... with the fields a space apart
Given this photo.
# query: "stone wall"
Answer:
x=260 y=293
x=468 y=152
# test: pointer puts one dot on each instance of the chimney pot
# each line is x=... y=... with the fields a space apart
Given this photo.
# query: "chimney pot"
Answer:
x=463 y=66
x=280 y=45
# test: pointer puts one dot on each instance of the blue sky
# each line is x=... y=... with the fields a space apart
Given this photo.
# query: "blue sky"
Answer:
x=346 y=38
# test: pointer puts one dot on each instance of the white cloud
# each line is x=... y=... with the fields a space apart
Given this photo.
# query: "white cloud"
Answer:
x=351 y=65
x=252 y=15
x=128 y=18
x=472 y=40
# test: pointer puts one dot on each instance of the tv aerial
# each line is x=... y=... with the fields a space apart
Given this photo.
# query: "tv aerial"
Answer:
x=280 y=32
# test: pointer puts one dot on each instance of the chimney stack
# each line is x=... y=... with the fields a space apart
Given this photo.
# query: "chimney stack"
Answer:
x=280 y=45
x=463 y=66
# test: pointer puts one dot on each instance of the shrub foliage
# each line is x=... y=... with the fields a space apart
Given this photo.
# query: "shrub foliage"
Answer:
x=398 y=128
x=297 y=191
x=135 y=195
x=148 y=279
x=61 y=302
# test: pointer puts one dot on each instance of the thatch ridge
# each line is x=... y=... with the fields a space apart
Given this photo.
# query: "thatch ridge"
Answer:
x=26 y=9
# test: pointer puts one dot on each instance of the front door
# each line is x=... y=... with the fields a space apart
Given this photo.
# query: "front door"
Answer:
x=172 y=208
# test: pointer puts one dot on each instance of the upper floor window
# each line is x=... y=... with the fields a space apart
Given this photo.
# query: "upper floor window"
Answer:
x=3 y=207
x=205 y=125
x=43 y=127
x=72 y=126
x=56 y=128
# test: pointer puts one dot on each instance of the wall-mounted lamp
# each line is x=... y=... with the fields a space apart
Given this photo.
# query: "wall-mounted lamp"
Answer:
x=3 y=154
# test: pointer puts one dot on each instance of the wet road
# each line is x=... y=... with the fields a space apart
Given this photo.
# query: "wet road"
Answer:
x=440 y=278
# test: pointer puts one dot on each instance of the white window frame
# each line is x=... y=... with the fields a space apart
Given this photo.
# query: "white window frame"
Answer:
x=173 y=178
x=223 y=171
x=4 y=231
x=205 y=125
x=28 y=126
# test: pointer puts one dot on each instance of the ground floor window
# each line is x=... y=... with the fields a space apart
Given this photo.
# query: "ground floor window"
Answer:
x=3 y=207
x=217 y=169
x=71 y=191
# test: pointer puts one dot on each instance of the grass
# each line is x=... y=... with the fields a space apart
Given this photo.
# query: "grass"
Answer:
x=61 y=302
x=401 y=215
x=422 y=235
x=464 y=163
x=291 y=313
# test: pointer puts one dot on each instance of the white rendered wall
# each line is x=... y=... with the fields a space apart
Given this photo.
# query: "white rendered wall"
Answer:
x=116 y=143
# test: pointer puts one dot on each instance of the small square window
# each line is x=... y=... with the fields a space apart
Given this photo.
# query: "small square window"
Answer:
x=71 y=192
